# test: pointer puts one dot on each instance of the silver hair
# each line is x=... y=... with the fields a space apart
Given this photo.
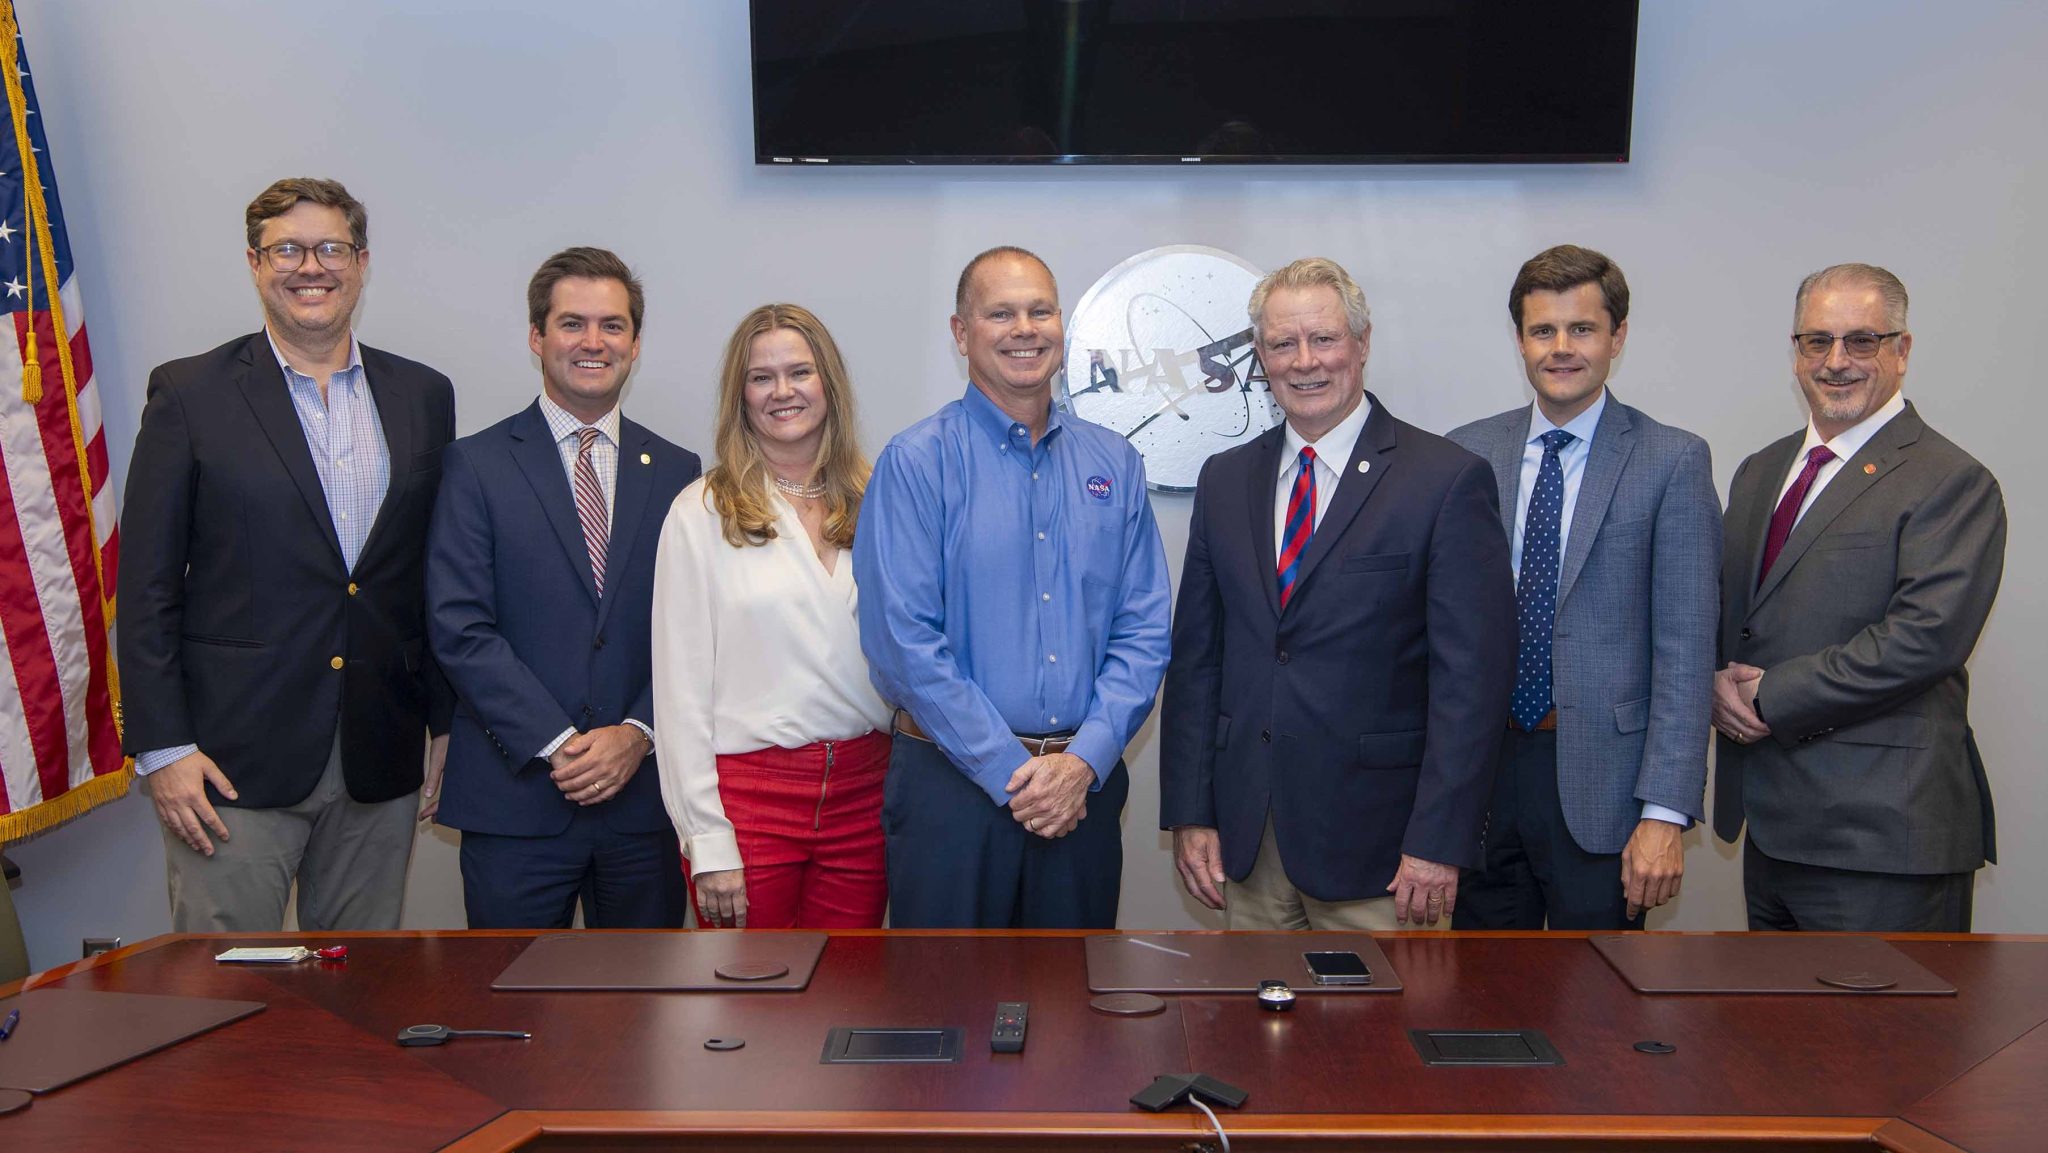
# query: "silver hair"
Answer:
x=1889 y=289
x=1313 y=272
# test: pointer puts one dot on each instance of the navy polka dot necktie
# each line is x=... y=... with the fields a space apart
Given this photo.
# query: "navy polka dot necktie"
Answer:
x=1536 y=593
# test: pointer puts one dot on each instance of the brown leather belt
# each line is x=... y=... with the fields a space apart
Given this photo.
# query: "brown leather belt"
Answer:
x=1547 y=725
x=1036 y=746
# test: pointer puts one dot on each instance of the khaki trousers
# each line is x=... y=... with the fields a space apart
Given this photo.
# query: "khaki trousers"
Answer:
x=1266 y=899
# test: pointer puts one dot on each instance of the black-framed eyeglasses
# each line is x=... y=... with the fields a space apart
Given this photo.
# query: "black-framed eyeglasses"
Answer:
x=1861 y=345
x=333 y=255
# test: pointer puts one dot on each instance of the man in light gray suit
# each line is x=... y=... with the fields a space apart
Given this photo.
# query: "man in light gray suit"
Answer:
x=1613 y=524
x=1863 y=554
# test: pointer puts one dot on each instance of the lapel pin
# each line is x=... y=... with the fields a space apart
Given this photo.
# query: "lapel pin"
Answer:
x=1365 y=466
x=646 y=459
x=1869 y=470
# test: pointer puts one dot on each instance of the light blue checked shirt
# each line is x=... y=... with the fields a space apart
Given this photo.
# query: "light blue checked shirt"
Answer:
x=347 y=443
x=348 y=446
x=604 y=457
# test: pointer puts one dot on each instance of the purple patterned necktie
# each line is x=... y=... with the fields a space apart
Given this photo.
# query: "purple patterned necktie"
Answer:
x=1788 y=509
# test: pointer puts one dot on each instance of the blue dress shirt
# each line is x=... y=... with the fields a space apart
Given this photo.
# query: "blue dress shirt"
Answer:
x=1010 y=588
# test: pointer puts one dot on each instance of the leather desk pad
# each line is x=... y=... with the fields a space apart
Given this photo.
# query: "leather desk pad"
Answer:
x=67 y=1035
x=683 y=961
x=1226 y=962
x=1765 y=963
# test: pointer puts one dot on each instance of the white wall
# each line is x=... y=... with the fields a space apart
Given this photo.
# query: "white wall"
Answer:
x=1770 y=139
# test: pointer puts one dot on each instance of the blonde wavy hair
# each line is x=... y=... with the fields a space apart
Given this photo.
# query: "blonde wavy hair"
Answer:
x=739 y=483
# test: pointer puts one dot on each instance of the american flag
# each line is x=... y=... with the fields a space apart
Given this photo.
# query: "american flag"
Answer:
x=60 y=750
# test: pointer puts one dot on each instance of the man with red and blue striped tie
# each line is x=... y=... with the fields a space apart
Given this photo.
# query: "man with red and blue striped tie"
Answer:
x=1343 y=649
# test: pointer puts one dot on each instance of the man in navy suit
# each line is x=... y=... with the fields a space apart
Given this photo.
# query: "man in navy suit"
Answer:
x=540 y=590
x=1343 y=646
x=1613 y=526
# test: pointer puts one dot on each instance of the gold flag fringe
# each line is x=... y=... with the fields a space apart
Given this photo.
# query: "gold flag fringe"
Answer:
x=75 y=802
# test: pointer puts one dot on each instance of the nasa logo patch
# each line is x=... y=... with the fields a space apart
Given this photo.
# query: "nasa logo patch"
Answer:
x=1098 y=487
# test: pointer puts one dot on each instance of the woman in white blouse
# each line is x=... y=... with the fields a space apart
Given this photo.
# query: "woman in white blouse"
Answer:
x=771 y=741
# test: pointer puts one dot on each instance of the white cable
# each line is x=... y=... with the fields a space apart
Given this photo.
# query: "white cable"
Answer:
x=1196 y=1101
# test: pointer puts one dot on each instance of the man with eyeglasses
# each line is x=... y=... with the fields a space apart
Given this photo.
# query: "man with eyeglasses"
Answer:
x=1860 y=559
x=278 y=690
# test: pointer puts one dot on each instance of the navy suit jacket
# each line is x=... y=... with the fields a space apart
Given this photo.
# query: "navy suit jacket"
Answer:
x=1365 y=717
x=242 y=630
x=518 y=626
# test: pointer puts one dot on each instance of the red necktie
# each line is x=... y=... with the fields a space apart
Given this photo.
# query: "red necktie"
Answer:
x=590 y=505
x=1301 y=523
x=1788 y=509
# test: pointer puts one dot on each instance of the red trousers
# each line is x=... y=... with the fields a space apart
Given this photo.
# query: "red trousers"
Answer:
x=809 y=825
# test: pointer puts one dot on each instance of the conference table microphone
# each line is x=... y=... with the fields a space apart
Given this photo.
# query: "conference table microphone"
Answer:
x=413 y=1035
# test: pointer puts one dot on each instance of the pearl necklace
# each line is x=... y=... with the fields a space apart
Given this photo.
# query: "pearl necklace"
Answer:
x=806 y=491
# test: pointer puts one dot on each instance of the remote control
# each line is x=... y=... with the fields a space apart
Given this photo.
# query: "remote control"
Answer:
x=1008 y=1035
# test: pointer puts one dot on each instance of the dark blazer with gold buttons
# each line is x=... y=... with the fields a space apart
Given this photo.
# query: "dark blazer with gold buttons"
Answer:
x=241 y=628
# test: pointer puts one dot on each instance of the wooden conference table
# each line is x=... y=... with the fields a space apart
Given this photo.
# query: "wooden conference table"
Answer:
x=318 y=1069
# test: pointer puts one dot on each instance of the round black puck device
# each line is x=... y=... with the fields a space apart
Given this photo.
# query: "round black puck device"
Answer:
x=1275 y=996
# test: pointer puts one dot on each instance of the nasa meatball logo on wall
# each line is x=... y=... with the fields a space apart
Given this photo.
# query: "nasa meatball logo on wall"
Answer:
x=1160 y=351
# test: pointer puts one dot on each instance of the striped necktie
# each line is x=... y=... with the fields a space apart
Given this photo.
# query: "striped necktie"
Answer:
x=590 y=505
x=1301 y=523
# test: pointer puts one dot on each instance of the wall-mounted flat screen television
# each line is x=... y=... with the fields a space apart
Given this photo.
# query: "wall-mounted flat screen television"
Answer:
x=1192 y=81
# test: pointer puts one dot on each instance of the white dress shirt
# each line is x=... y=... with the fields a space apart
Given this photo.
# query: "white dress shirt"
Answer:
x=1333 y=454
x=1572 y=458
x=754 y=647
x=1845 y=445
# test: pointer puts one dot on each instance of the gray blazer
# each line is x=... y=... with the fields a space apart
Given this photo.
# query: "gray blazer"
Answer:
x=1862 y=628
x=1632 y=657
